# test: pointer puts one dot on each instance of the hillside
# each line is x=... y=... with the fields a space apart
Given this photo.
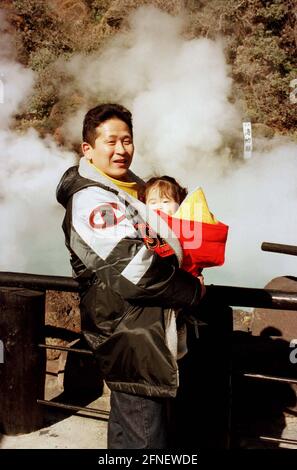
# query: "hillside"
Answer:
x=260 y=38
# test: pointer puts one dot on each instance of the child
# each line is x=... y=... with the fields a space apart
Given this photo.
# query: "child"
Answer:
x=192 y=222
x=165 y=194
x=202 y=237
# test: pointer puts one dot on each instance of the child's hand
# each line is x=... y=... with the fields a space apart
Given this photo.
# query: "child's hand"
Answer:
x=203 y=288
x=201 y=278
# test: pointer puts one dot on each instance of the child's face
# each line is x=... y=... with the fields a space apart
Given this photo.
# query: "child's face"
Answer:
x=164 y=203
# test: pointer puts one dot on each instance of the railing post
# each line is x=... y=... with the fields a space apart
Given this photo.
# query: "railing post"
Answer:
x=204 y=397
x=22 y=373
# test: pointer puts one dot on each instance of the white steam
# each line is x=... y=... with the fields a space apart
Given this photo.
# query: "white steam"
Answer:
x=258 y=201
x=30 y=238
x=15 y=81
x=178 y=92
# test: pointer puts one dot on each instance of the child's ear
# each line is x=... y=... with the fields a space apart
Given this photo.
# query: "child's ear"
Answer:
x=87 y=150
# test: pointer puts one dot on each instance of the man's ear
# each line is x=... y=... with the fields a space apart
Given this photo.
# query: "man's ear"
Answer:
x=87 y=150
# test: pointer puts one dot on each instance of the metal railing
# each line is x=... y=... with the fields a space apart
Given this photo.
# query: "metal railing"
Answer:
x=228 y=295
x=279 y=248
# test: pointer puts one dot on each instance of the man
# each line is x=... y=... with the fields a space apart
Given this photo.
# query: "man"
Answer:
x=127 y=290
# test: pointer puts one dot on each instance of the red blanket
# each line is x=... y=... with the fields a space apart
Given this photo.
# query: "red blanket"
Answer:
x=203 y=244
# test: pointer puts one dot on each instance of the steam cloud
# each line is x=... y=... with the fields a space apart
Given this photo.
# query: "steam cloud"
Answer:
x=30 y=168
x=185 y=126
x=178 y=92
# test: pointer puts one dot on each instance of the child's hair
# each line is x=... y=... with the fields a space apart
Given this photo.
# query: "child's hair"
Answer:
x=167 y=186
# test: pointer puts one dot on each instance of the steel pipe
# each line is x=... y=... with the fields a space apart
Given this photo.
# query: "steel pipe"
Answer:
x=63 y=406
x=271 y=377
x=233 y=296
x=66 y=348
x=279 y=248
x=250 y=297
x=38 y=282
x=280 y=440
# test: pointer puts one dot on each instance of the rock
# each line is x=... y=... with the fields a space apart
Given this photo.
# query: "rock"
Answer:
x=282 y=321
x=61 y=310
x=262 y=131
x=70 y=11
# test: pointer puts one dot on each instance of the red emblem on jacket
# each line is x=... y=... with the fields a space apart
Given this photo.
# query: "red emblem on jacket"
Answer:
x=105 y=215
x=153 y=241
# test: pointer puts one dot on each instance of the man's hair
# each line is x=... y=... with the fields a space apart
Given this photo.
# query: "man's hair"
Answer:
x=167 y=186
x=100 y=114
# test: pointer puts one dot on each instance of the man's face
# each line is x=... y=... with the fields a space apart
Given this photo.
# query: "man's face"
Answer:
x=113 y=149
